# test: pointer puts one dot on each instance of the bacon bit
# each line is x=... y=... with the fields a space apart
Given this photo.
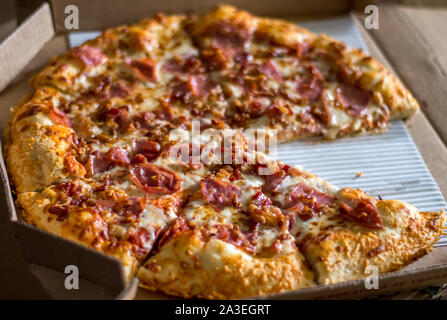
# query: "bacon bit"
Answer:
x=133 y=207
x=360 y=209
x=364 y=214
x=106 y=89
x=164 y=113
x=200 y=85
x=179 y=227
x=216 y=59
x=144 y=240
x=232 y=234
x=260 y=200
x=119 y=115
x=60 y=211
x=279 y=113
x=73 y=166
x=379 y=249
x=180 y=92
x=144 y=69
x=273 y=181
x=190 y=64
x=31 y=110
x=353 y=99
x=306 y=201
x=261 y=210
x=153 y=179
x=69 y=188
x=59 y=117
x=148 y=148
x=130 y=208
x=219 y=194
x=88 y=55
x=197 y=85
x=311 y=87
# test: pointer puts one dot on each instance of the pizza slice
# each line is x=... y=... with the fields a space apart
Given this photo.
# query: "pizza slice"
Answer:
x=228 y=242
x=281 y=77
x=343 y=231
x=250 y=232
x=132 y=54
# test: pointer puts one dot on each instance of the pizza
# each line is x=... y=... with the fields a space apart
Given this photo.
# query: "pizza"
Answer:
x=110 y=156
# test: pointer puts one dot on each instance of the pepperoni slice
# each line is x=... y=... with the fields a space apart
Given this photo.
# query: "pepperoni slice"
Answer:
x=219 y=194
x=59 y=117
x=97 y=163
x=144 y=69
x=88 y=55
x=306 y=201
x=311 y=87
x=154 y=179
x=148 y=148
x=269 y=69
x=353 y=99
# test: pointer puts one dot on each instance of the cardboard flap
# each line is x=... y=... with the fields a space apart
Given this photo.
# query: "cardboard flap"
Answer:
x=28 y=39
x=118 y=12
x=49 y=250
x=411 y=40
x=388 y=283
x=5 y=190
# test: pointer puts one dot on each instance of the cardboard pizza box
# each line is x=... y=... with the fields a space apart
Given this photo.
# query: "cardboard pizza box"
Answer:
x=415 y=53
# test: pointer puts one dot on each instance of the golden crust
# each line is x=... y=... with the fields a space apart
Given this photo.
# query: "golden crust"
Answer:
x=83 y=227
x=344 y=254
x=189 y=267
x=44 y=147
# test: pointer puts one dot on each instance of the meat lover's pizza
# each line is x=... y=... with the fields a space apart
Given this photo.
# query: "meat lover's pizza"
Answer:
x=103 y=153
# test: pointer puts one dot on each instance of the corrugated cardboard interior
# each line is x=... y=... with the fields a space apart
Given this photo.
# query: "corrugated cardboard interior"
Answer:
x=40 y=247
